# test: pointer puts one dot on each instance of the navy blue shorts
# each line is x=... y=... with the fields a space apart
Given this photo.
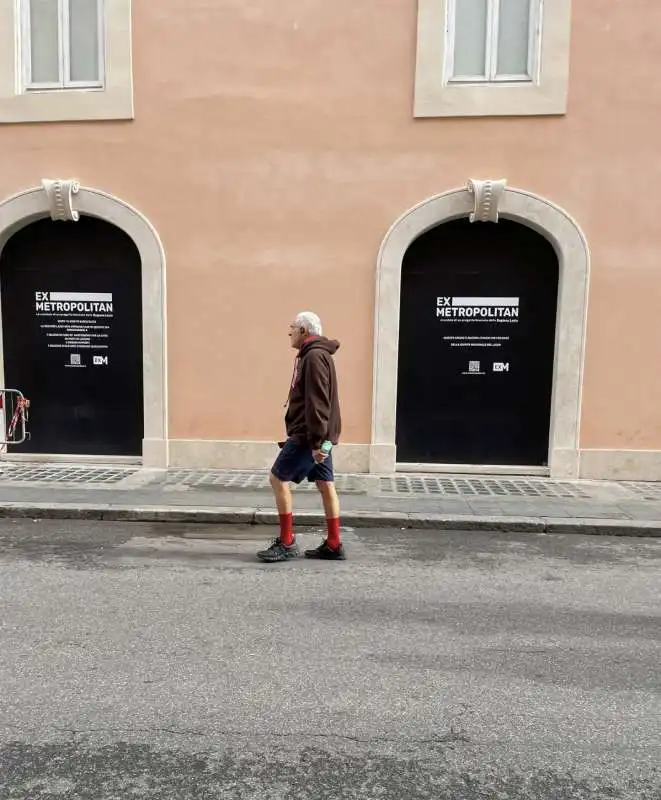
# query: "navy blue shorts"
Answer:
x=295 y=463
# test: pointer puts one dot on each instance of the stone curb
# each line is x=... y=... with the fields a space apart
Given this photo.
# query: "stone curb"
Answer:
x=357 y=519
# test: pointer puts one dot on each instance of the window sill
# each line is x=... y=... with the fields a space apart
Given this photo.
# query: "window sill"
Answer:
x=480 y=100
x=68 y=105
x=495 y=82
x=50 y=89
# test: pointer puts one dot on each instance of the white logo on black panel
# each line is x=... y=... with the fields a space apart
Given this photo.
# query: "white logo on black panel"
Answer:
x=474 y=368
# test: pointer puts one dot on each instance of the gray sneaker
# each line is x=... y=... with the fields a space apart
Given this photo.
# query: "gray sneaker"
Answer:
x=278 y=552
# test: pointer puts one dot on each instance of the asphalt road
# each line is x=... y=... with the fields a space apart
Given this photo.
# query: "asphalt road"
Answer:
x=141 y=661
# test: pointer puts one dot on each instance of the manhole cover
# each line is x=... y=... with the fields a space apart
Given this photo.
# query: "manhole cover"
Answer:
x=50 y=474
x=222 y=479
x=477 y=487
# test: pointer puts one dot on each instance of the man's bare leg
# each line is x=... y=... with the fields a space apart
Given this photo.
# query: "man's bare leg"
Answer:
x=330 y=499
x=282 y=494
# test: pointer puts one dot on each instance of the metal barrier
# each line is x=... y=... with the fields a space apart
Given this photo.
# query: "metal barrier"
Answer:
x=13 y=418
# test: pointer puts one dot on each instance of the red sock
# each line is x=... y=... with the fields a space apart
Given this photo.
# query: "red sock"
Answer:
x=333 y=538
x=286 y=529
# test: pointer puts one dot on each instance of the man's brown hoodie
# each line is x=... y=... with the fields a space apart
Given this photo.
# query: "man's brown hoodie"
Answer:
x=313 y=413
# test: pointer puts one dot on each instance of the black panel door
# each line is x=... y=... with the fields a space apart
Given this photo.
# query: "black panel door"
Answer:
x=476 y=346
x=72 y=336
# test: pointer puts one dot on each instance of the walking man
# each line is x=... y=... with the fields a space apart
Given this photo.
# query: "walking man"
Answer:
x=313 y=427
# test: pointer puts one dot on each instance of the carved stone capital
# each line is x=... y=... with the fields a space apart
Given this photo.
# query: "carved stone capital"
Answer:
x=487 y=197
x=60 y=199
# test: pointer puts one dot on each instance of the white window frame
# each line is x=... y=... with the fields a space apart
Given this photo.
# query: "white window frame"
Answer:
x=546 y=94
x=536 y=8
x=112 y=100
x=64 y=56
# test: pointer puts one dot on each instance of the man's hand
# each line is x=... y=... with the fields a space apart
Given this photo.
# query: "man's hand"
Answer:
x=319 y=456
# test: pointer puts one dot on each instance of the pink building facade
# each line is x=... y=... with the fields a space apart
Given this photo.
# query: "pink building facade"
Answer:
x=460 y=190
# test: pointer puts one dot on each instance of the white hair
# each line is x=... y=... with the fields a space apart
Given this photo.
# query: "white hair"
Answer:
x=310 y=321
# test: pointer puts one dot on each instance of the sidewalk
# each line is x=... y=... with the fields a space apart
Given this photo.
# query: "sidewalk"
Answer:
x=443 y=502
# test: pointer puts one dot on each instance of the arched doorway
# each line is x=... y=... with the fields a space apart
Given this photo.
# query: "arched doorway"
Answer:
x=477 y=332
x=34 y=204
x=570 y=245
x=72 y=335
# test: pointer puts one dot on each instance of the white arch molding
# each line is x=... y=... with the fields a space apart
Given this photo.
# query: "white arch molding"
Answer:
x=572 y=250
x=21 y=209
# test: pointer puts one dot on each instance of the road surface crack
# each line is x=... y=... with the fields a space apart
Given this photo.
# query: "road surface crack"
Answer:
x=448 y=738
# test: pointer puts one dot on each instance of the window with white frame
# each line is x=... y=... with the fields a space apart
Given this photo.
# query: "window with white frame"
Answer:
x=493 y=41
x=492 y=58
x=63 y=44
